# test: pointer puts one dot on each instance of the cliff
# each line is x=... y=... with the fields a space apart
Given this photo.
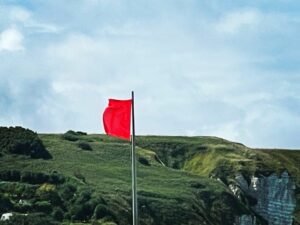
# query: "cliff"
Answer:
x=274 y=195
x=181 y=181
x=265 y=181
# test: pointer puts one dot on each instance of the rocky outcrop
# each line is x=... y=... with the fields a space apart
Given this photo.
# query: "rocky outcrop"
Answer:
x=245 y=220
x=275 y=196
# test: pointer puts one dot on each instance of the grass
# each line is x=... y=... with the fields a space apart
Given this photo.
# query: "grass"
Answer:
x=175 y=188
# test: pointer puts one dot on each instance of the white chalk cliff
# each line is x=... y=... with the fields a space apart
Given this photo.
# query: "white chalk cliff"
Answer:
x=275 y=197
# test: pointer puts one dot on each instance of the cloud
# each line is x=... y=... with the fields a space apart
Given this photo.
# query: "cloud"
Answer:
x=208 y=90
x=197 y=68
x=236 y=21
x=11 y=39
x=23 y=96
x=38 y=27
x=19 y=14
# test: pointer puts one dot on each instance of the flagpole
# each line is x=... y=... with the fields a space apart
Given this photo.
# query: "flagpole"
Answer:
x=133 y=168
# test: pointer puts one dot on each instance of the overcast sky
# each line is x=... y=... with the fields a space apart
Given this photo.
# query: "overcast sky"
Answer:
x=221 y=68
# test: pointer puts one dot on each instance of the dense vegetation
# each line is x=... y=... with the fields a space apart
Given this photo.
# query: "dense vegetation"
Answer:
x=18 y=140
x=87 y=180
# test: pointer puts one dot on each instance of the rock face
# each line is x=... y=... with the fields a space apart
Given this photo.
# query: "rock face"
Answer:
x=275 y=197
x=246 y=220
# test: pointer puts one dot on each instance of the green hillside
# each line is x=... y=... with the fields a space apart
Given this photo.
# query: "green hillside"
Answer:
x=87 y=179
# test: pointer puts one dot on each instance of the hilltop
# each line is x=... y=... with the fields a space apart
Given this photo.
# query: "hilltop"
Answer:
x=86 y=178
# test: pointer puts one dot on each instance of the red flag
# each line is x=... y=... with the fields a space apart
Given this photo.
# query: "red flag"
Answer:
x=117 y=117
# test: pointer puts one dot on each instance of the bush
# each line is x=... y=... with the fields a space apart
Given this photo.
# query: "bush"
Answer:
x=83 y=207
x=84 y=196
x=84 y=146
x=23 y=206
x=70 y=136
x=43 y=206
x=58 y=214
x=48 y=192
x=18 y=140
x=144 y=161
x=34 y=178
x=67 y=192
x=79 y=176
x=102 y=211
x=67 y=216
x=56 y=178
x=26 y=177
x=5 y=204
x=82 y=212
x=71 y=132
x=15 y=175
x=10 y=175
x=28 y=191
x=81 y=133
x=39 y=178
x=197 y=185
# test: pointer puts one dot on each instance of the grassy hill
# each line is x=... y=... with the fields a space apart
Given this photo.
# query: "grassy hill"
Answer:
x=87 y=179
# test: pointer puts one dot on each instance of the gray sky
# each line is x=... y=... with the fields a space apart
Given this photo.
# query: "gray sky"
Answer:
x=197 y=67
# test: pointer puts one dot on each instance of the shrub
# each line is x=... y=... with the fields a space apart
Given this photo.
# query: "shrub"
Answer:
x=5 y=204
x=58 y=214
x=70 y=136
x=43 y=206
x=97 y=200
x=15 y=175
x=56 y=178
x=83 y=206
x=18 y=140
x=67 y=192
x=197 y=185
x=71 y=132
x=82 y=212
x=79 y=176
x=49 y=194
x=26 y=177
x=39 y=178
x=28 y=192
x=102 y=211
x=144 y=161
x=19 y=188
x=32 y=177
x=8 y=175
x=84 y=196
x=67 y=216
x=81 y=133
x=23 y=206
x=84 y=146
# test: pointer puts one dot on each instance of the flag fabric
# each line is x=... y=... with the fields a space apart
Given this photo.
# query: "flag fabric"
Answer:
x=117 y=118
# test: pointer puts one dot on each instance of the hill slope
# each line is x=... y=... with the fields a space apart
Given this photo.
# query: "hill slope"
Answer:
x=181 y=180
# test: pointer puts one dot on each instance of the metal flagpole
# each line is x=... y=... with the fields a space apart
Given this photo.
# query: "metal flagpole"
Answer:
x=133 y=168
